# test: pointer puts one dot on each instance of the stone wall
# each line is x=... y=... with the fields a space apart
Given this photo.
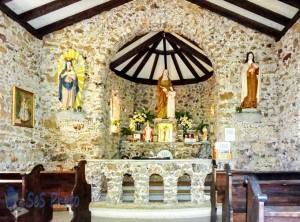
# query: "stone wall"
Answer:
x=20 y=59
x=288 y=106
x=98 y=39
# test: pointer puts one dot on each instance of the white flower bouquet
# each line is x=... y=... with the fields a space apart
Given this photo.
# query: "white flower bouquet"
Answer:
x=138 y=117
x=186 y=123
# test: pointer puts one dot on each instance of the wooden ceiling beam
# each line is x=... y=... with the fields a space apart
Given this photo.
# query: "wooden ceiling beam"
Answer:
x=133 y=40
x=154 y=67
x=177 y=67
x=197 y=63
x=45 y=9
x=15 y=17
x=134 y=60
x=295 y=3
x=256 y=9
x=238 y=18
x=292 y=22
x=81 y=16
x=165 y=49
x=153 y=82
x=190 y=67
x=145 y=60
x=161 y=52
x=135 y=50
x=172 y=38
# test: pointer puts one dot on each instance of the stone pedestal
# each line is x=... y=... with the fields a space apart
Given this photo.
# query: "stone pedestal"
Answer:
x=249 y=115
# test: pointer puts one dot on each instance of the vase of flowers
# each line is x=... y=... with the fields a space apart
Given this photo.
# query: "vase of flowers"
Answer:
x=138 y=119
x=137 y=126
x=185 y=120
x=186 y=124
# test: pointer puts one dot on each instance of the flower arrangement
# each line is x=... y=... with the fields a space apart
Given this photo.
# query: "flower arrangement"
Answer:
x=185 y=119
x=142 y=116
x=186 y=123
x=138 y=117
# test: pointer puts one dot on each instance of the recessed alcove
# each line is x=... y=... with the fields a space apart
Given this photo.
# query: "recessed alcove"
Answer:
x=128 y=188
x=102 y=188
x=184 y=188
x=156 y=188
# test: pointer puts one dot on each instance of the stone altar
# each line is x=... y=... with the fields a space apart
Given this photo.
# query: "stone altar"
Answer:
x=141 y=170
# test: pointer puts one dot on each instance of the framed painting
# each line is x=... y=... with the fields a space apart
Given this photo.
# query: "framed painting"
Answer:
x=22 y=108
x=165 y=132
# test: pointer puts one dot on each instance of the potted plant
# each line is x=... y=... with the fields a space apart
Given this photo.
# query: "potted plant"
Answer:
x=126 y=131
x=114 y=125
x=185 y=119
x=202 y=129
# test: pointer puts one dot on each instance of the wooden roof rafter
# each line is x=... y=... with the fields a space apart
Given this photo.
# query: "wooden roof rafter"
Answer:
x=165 y=51
x=134 y=51
x=239 y=18
x=14 y=17
x=44 y=9
x=145 y=60
x=81 y=16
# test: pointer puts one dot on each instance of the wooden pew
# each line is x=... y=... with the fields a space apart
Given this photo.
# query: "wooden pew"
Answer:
x=222 y=182
x=281 y=188
x=213 y=191
x=39 y=189
x=21 y=182
x=271 y=199
x=68 y=187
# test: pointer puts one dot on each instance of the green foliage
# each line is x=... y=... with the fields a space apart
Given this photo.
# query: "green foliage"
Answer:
x=182 y=113
x=126 y=131
x=201 y=126
x=149 y=115
x=115 y=122
x=238 y=109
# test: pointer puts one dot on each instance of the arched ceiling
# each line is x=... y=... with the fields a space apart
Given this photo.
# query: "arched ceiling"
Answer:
x=144 y=58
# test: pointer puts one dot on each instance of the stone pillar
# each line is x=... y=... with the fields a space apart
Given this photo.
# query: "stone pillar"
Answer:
x=170 y=188
x=197 y=187
x=141 y=187
x=114 y=190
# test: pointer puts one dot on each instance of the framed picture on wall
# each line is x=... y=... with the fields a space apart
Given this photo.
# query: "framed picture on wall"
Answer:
x=22 y=108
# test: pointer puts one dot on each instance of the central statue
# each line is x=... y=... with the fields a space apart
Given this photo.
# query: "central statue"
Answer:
x=164 y=87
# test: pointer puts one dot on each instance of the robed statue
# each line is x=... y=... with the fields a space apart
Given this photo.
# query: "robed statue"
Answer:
x=250 y=83
x=164 y=85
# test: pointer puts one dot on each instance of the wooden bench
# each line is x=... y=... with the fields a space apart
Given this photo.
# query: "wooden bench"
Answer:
x=20 y=181
x=42 y=189
x=271 y=199
x=232 y=190
x=229 y=189
x=68 y=187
